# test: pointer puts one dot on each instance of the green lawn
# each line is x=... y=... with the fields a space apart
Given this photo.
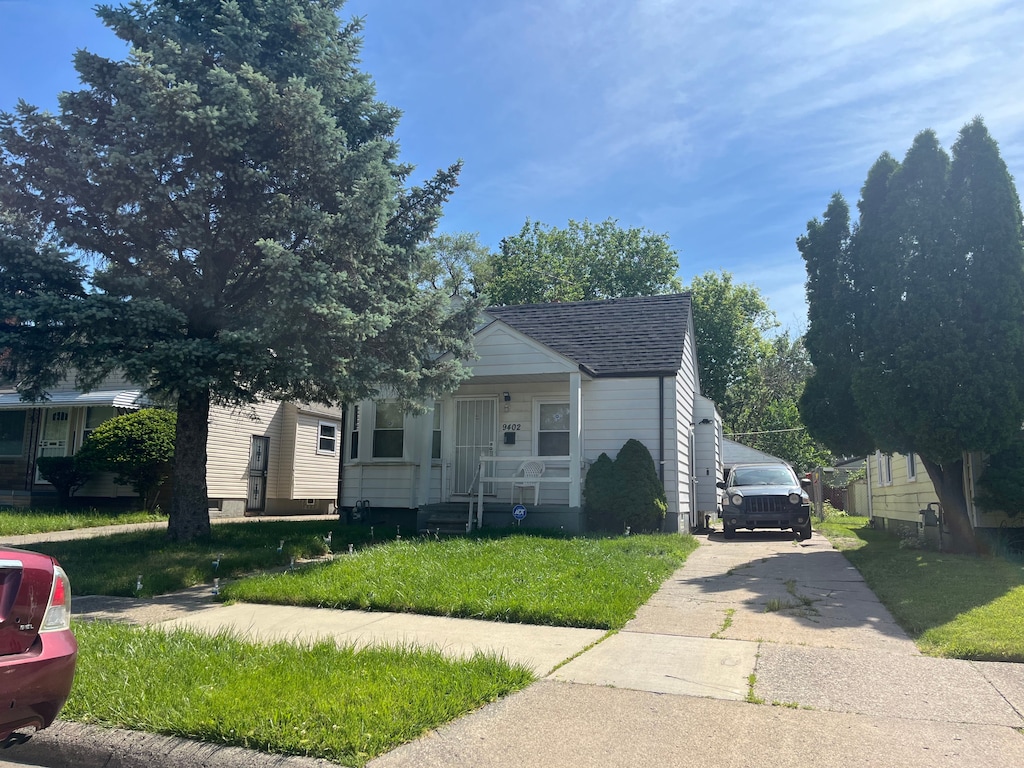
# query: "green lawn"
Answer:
x=957 y=606
x=578 y=582
x=340 y=704
x=110 y=565
x=20 y=522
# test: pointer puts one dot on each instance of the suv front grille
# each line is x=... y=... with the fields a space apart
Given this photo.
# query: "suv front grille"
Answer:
x=767 y=504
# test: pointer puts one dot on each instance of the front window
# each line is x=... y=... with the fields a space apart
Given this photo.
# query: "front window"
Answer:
x=553 y=429
x=12 y=433
x=388 y=431
x=96 y=415
x=327 y=439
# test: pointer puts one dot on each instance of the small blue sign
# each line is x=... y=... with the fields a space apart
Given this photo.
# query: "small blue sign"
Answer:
x=518 y=511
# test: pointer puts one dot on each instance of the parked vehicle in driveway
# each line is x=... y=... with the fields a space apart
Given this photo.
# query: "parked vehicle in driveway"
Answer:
x=37 y=648
x=764 y=496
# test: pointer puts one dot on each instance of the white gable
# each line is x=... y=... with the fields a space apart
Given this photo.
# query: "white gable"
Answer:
x=504 y=352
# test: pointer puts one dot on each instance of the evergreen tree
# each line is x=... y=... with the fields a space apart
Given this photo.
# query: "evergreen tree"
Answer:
x=237 y=185
x=932 y=299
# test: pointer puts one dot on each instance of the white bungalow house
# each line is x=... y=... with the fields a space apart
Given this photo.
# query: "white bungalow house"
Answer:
x=553 y=386
x=275 y=458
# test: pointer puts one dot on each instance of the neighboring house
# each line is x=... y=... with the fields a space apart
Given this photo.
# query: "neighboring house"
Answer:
x=273 y=458
x=899 y=493
x=553 y=386
x=734 y=453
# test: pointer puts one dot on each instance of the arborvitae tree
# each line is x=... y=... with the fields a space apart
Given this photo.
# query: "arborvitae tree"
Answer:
x=236 y=183
x=933 y=295
x=827 y=405
x=601 y=494
x=643 y=504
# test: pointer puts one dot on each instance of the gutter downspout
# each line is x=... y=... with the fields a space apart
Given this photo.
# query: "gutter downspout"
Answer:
x=661 y=429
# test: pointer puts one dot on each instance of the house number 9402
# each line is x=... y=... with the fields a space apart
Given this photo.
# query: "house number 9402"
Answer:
x=511 y=427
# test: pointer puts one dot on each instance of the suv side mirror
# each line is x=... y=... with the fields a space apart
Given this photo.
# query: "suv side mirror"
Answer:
x=720 y=484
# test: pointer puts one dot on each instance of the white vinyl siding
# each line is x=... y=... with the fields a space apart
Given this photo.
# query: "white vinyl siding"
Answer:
x=228 y=445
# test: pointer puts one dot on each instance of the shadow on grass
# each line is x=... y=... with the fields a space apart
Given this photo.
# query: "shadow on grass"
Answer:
x=964 y=606
x=116 y=564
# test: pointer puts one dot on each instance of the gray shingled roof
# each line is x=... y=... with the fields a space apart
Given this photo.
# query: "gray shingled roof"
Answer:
x=636 y=336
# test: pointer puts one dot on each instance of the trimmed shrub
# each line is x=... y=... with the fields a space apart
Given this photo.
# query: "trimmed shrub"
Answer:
x=137 y=447
x=626 y=493
x=644 y=505
x=65 y=473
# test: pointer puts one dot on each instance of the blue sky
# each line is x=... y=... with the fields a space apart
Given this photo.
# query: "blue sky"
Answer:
x=725 y=124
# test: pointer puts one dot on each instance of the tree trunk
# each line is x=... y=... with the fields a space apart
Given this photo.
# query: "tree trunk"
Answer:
x=190 y=508
x=948 y=481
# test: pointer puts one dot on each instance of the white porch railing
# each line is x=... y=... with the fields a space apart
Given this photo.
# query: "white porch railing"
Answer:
x=489 y=472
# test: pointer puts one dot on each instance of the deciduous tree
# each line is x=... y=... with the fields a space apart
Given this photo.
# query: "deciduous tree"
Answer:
x=582 y=262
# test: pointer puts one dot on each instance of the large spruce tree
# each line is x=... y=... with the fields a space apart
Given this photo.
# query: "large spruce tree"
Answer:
x=917 y=313
x=234 y=185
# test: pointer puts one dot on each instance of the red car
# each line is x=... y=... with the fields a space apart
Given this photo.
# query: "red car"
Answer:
x=37 y=649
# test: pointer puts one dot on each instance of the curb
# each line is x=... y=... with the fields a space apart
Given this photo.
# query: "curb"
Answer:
x=90 y=746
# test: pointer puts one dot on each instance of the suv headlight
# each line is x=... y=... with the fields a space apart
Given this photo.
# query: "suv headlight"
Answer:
x=795 y=498
x=736 y=499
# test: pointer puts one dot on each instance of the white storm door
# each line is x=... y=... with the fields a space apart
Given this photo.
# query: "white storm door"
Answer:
x=476 y=428
x=54 y=438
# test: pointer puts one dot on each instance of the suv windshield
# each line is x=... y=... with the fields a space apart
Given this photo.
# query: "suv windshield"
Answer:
x=762 y=476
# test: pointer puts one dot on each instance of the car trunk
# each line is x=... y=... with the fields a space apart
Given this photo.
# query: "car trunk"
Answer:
x=26 y=579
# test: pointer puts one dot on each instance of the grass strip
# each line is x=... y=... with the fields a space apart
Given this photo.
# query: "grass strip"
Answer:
x=320 y=700
x=111 y=565
x=21 y=522
x=578 y=582
x=956 y=606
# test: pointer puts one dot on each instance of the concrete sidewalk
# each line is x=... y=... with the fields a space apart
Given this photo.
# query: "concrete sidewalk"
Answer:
x=758 y=619
x=761 y=618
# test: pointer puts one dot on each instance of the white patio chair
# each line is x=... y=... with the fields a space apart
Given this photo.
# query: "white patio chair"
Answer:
x=528 y=475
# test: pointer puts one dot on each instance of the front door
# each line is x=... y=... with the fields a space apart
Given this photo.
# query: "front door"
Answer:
x=476 y=428
x=54 y=438
x=259 y=454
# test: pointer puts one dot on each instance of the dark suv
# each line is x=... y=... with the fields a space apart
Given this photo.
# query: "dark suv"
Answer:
x=764 y=496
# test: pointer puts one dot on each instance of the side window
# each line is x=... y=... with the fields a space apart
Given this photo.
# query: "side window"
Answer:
x=327 y=438
x=911 y=467
x=435 y=442
x=553 y=429
x=388 y=431
x=353 y=451
x=884 y=468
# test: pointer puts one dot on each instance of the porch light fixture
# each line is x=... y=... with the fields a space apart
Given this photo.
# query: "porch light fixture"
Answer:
x=507 y=396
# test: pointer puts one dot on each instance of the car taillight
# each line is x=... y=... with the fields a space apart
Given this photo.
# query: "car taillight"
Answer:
x=58 y=610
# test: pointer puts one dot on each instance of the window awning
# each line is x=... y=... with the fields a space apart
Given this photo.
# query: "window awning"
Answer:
x=119 y=398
